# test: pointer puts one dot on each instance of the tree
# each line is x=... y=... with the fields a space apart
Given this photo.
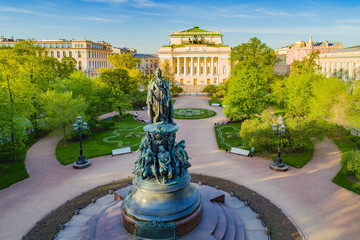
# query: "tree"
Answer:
x=299 y=92
x=257 y=54
x=246 y=94
x=124 y=60
x=167 y=72
x=328 y=102
x=61 y=110
x=250 y=79
x=16 y=83
x=121 y=85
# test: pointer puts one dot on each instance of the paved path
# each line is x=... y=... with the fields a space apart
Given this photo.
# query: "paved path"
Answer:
x=321 y=209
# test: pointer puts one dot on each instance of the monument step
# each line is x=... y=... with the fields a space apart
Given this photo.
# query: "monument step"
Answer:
x=108 y=225
x=240 y=230
x=239 y=226
x=230 y=224
x=88 y=232
x=221 y=222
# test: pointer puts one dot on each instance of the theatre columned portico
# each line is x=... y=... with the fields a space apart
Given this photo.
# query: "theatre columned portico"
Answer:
x=197 y=62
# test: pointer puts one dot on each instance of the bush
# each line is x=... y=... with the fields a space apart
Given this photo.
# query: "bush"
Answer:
x=210 y=89
x=301 y=133
x=351 y=163
x=175 y=91
x=107 y=124
x=334 y=131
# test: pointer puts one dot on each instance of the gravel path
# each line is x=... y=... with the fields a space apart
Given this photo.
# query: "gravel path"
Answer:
x=321 y=209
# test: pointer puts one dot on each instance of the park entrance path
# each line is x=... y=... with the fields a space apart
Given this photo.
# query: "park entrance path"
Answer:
x=321 y=209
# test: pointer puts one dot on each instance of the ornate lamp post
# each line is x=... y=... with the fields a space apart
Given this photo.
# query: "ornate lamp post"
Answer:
x=278 y=165
x=82 y=162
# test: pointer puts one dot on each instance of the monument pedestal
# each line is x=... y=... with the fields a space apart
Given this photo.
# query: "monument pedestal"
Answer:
x=176 y=205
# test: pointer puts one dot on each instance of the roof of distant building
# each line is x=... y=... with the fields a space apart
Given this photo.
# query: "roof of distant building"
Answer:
x=195 y=29
x=140 y=55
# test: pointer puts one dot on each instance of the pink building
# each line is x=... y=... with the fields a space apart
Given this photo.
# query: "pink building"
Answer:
x=300 y=49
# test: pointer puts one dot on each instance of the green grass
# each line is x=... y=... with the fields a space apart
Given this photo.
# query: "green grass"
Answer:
x=345 y=144
x=297 y=160
x=279 y=111
x=215 y=101
x=193 y=113
x=15 y=171
x=96 y=146
x=230 y=134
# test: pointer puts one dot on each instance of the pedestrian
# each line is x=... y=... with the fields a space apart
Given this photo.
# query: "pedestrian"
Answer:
x=227 y=150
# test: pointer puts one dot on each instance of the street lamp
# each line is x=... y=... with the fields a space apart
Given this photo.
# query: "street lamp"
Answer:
x=278 y=165
x=82 y=162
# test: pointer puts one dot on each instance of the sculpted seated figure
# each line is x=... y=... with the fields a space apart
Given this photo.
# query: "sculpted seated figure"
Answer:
x=160 y=107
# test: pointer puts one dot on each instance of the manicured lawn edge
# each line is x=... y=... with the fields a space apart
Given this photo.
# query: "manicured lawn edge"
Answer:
x=209 y=114
x=342 y=179
x=95 y=146
x=297 y=160
x=279 y=224
x=17 y=171
x=219 y=101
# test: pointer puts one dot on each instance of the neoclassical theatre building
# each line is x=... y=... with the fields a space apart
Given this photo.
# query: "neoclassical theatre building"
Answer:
x=197 y=57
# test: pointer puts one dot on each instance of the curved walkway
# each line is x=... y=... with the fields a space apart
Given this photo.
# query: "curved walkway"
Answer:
x=321 y=209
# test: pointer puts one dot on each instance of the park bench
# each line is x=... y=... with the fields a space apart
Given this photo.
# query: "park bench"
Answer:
x=216 y=104
x=121 y=151
x=243 y=151
x=240 y=151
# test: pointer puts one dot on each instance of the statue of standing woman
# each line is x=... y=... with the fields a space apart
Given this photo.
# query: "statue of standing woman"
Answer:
x=160 y=107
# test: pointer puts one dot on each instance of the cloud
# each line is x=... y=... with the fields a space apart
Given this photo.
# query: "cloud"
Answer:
x=332 y=30
x=272 y=12
x=20 y=10
x=134 y=3
x=351 y=20
x=99 y=19
x=179 y=21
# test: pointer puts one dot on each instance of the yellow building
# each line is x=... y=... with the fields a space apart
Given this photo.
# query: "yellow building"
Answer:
x=344 y=64
x=197 y=57
x=89 y=55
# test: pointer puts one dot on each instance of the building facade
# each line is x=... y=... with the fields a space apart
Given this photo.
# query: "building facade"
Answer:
x=89 y=55
x=197 y=57
x=344 y=64
x=148 y=63
x=299 y=50
x=280 y=67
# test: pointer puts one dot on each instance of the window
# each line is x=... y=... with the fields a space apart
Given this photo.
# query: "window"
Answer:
x=64 y=53
x=224 y=70
x=52 y=53
x=79 y=54
x=80 y=65
x=58 y=54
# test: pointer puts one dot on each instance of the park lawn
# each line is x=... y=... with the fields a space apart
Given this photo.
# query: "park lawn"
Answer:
x=95 y=145
x=215 y=101
x=230 y=134
x=297 y=160
x=186 y=113
x=345 y=144
x=278 y=110
x=16 y=171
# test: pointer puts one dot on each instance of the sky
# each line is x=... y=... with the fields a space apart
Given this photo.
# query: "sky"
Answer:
x=146 y=24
